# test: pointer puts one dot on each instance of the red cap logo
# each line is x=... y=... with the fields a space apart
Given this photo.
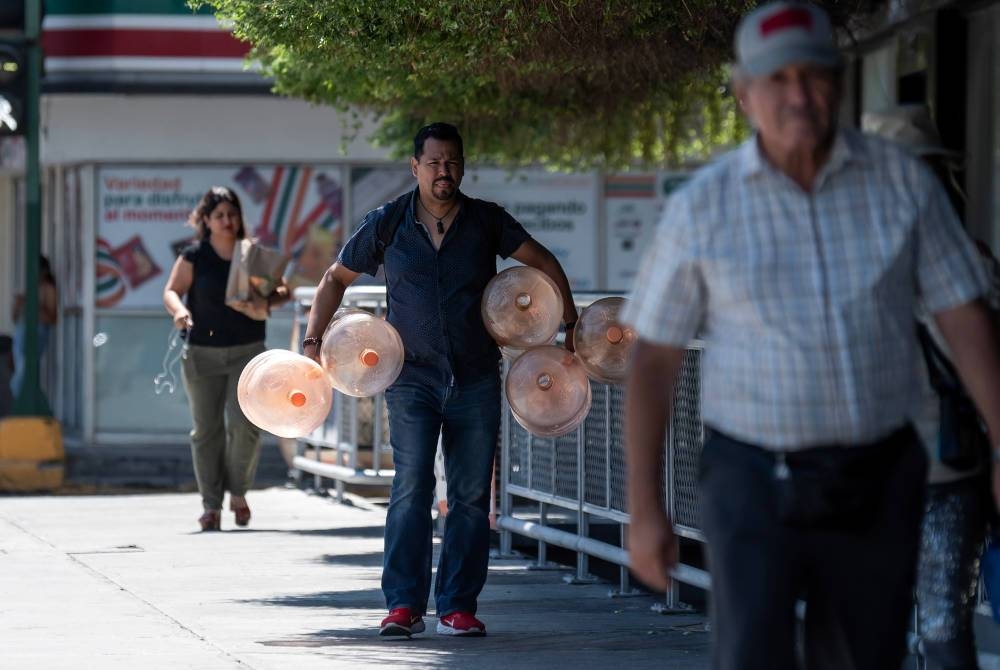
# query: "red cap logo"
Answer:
x=793 y=17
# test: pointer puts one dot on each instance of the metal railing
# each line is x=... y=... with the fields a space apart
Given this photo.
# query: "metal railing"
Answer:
x=577 y=480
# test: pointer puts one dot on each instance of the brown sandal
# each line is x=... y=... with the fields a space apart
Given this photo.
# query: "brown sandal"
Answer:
x=242 y=514
x=210 y=520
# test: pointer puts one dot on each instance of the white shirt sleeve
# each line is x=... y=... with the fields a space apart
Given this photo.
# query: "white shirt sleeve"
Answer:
x=668 y=301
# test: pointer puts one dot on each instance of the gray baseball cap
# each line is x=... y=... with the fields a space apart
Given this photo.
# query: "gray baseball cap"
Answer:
x=779 y=34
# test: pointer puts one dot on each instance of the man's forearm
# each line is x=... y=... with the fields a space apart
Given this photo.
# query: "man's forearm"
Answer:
x=551 y=267
x=648 y=395
x=329 y=294
x=559 y=277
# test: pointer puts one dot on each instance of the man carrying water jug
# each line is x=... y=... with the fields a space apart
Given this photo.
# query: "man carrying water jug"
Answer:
x=438 y=248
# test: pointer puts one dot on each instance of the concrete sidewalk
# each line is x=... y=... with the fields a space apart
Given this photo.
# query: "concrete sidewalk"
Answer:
x=127 y=582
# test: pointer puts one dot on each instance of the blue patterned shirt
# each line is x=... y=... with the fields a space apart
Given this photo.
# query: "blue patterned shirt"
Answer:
x=434 y=295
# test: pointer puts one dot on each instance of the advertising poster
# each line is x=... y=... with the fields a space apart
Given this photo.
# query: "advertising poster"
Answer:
x=632 y=205
x=372 y=187
x=143 y=212
x=559 y=210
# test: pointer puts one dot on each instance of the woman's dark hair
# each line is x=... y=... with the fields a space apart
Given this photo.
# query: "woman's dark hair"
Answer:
x=439 y=131
x=45 y=270
x=207 y=205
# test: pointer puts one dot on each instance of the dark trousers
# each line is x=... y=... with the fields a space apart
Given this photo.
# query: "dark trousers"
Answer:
x=856 y=578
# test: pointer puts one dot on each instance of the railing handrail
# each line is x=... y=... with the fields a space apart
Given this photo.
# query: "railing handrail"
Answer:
x=306 y=294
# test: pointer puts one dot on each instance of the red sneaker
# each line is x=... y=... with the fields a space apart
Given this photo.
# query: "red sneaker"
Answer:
x=462 y=624
x=401 y=621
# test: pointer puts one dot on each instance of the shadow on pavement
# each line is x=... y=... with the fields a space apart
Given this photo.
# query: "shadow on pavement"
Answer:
x=368 y=560
x=360 y=600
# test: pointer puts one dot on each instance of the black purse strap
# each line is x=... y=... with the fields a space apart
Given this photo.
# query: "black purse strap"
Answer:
x=943 y=375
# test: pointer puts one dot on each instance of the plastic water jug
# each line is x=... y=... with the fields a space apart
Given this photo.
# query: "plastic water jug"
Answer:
x=361 y=353
x=602 y=343
x=284 y=393
x=548 y=391
x=510 y=353
x=522 y=308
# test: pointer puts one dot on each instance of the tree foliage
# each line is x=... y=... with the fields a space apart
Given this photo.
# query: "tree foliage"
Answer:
x=564 y=83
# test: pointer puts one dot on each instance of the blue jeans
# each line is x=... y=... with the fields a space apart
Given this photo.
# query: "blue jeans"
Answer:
x=468 y=419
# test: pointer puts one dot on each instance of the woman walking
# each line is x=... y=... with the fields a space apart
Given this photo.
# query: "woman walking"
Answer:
x=220 y=341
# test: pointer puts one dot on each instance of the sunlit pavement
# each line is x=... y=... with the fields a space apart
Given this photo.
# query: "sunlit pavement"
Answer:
x=118 y=581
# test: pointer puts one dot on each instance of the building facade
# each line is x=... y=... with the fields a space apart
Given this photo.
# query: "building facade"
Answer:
x=145 y=105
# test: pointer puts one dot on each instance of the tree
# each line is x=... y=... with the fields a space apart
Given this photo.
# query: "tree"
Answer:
x=565 y=83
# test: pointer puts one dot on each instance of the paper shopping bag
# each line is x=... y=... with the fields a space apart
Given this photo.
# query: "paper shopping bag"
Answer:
x=254 y=272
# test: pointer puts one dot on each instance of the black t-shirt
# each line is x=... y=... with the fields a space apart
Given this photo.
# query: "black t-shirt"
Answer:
x=215 y=325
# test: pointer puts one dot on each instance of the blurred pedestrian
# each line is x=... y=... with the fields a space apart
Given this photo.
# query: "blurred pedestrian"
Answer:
x=6 y=372
x=220 y=341
x=800 y=259
x=48 y=314
x=958 y=505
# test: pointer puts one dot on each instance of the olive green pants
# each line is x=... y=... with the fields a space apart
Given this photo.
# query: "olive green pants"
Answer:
x=224 y=445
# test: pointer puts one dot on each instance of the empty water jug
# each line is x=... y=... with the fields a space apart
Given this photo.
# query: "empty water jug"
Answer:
x=345 y=311
x=361 y=353
x=248 y=376
x=510 y=353
x=548 y=391
x=522 y=308
x=602 y=343
x=284 y=393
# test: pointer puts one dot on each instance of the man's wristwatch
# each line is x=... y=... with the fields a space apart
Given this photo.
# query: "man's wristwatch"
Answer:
x=311 y=340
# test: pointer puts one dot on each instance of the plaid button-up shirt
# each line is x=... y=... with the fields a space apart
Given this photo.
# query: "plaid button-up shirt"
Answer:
x=805 y=301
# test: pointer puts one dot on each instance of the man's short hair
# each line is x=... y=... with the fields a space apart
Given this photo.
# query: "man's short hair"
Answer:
x=780 y=34
x=444 y=132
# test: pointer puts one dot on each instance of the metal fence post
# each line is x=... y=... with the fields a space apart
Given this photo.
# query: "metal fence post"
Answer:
x=543 y=511
x=582 y=521
x=506 y=504
x=673 y=591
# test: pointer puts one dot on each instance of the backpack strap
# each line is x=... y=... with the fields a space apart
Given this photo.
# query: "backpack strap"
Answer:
x=387 y=226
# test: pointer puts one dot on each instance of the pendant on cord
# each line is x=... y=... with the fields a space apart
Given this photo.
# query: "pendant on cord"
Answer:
x=439 y=219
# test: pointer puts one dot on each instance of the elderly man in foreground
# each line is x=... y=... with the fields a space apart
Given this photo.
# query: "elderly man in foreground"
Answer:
x=800 y=258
